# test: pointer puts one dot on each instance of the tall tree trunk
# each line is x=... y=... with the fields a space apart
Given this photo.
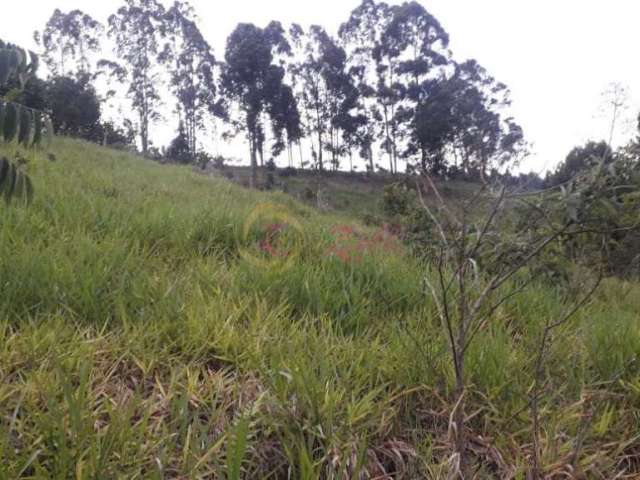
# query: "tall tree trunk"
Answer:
x=394 y=149
x=395 y=159
x=192 y=134
x=483 y=166
x=301 y=155
x=388 y=138
x=144 y=136
x=320 y=163
x=334 y=153
x=253 y=179
x=262 y=141
x=144 y=115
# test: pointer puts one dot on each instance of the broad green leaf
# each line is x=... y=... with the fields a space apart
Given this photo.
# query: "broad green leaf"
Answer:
x=2 y=113
x=14 y=183
x=10 y=127
x=37 y=128
x=236 y=449
x=26 y=126
x=9 y=184
x=4 y=171
x=14 y=59
x=5 y=68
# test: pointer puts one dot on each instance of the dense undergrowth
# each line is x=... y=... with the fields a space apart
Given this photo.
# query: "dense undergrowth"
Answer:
x=137 y=342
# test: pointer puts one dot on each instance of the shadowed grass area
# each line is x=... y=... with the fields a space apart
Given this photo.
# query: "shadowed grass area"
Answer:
x=137 y=342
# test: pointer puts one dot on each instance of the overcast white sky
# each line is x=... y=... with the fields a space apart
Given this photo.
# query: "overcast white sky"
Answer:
x=557 y=56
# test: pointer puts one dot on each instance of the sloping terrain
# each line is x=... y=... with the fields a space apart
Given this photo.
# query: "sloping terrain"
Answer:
x=354 y=194
x=149 y=329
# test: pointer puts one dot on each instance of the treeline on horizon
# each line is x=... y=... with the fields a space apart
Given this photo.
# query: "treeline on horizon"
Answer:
x=385 y=92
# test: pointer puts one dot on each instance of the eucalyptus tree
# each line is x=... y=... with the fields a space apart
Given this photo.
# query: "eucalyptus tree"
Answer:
x=342 y=98
x=359 y=36
x=68 y=40
x=191 y=64
x=285 y=111
x=326 y=91
x=137 y=29
x=433 y=125
x=418 y=43
x=580 y=160
x=114 y=78
x=359 y=130
x=296 y=39
x=346 y=122
x=286 y=123
x=461 y=117
x=357 y=136
x=292 y=121
x=366 y=38
x=484 y=137
x=308 y=78
x=397 y=48
x=252 y=81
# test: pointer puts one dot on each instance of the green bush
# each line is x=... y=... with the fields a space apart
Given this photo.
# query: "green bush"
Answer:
x=398 y=200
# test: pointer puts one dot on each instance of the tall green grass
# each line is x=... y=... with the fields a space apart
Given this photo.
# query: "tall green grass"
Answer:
x=136 y=342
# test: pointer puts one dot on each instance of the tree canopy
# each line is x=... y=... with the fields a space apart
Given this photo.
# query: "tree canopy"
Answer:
x=386 y=89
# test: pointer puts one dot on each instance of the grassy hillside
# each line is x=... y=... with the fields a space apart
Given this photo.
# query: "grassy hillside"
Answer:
x=139 y=339
x=356 y=195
